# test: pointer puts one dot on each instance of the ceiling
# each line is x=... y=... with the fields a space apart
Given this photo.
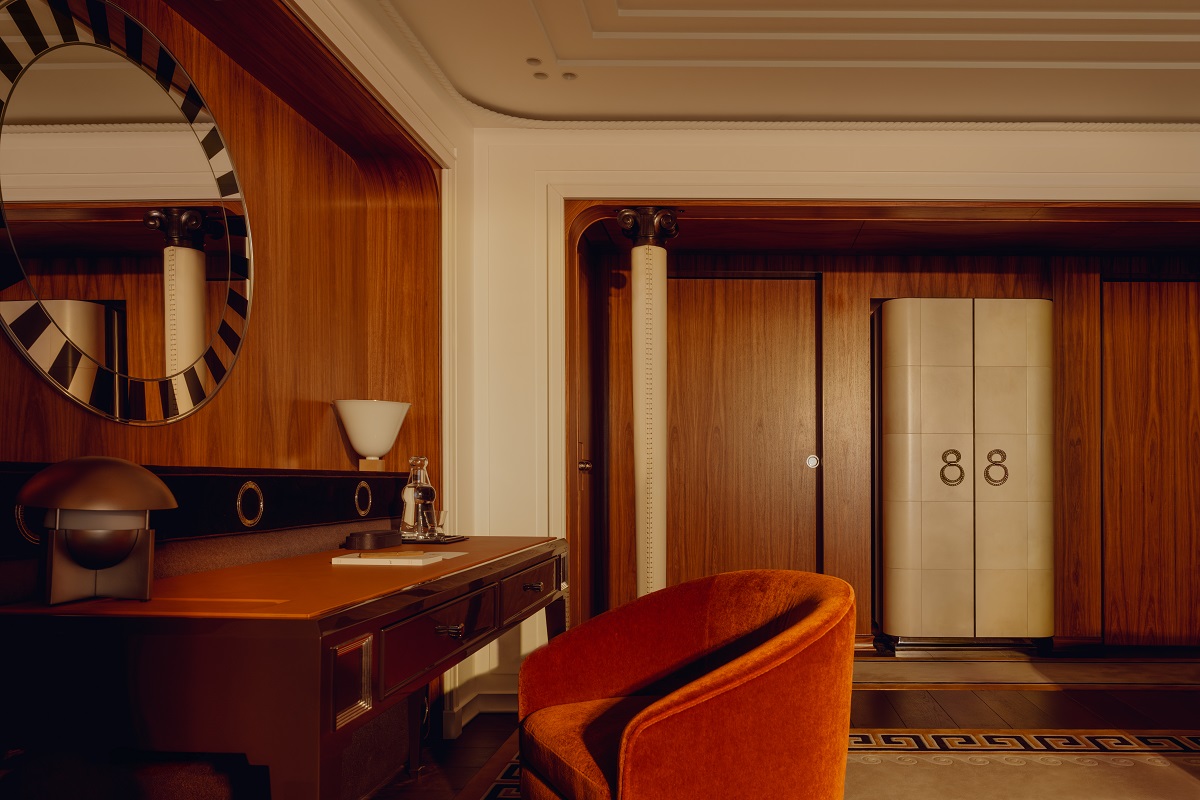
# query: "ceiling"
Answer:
x=772 y=61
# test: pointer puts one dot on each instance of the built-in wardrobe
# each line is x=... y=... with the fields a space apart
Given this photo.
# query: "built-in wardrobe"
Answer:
x=967 y=468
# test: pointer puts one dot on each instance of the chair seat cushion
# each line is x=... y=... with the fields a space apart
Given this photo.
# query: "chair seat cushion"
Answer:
x=576 y=747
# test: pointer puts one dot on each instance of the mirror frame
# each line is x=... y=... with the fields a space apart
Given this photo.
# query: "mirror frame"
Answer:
x=50 y=24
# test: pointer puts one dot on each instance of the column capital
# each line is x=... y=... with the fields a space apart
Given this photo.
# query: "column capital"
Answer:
x=648 y=224
x=184 y=227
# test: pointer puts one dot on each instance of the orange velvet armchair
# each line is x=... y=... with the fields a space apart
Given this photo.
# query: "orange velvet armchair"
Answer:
x=735 y=686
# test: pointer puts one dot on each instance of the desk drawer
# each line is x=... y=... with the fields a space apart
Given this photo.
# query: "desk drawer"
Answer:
x=421 y=643
x=525 y=589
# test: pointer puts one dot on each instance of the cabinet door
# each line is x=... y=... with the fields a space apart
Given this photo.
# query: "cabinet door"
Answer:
x=1151 y=413
x=928 y=493
x=968 y=543
x=1014 y=544
x=742 y=414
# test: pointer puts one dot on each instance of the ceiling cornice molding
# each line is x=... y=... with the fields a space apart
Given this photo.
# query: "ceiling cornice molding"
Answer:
x=509 y=120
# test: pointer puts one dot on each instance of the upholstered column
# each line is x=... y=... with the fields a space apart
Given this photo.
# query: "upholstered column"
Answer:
x=184 y=275
x=649 y=227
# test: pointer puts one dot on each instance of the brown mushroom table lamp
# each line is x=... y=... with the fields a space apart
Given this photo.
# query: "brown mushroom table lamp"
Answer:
x=99 y=542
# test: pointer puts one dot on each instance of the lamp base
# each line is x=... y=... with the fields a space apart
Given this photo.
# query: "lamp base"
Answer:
x=370 y=465
x=66 y=580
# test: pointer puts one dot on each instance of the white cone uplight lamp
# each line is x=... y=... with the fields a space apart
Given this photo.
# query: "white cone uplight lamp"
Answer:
x=372 y=427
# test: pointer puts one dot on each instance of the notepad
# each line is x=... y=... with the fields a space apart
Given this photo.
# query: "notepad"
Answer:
x=395 y=558
x=388 y=559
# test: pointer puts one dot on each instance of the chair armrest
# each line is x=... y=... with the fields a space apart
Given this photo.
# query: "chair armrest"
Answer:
x=796 y=693
x=617 y=653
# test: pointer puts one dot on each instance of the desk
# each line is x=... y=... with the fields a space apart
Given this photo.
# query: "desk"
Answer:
x=285 y=661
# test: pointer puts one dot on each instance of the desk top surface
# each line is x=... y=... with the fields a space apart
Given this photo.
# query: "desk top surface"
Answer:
x=300 y=587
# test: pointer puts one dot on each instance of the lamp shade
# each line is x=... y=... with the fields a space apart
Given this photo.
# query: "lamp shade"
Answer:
x=372 y=425
x=96 y=483
x=98 y=542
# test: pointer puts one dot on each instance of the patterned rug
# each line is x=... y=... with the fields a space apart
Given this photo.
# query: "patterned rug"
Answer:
x=507 y=785
x=1096 y=764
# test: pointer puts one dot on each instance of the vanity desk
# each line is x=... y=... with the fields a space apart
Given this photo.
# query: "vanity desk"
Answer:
x=290 y=661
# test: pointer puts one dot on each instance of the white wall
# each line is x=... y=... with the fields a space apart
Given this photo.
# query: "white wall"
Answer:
x=522 y=176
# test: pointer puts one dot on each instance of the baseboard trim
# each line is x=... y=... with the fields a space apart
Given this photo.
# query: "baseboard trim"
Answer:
x=454 y=720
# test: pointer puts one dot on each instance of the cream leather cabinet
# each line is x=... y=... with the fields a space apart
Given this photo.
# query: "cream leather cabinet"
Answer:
x=968 y=547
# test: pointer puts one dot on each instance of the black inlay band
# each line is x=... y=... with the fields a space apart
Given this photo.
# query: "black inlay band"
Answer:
x=167 y=393
x=229 y=336
x=133 y=41
x=29 y=326
x=98 y=16
x=27 y=24
x=103 y=398
x=215 y=367
x=227 y=184
x=137 y=400
x=195 y=388
x=64 y=20
x=235 y=224
x=212 y=143
x=237 y=302
x=164 y=72
x=9 y=64
x=239 y=265
x=10 y=269
x=66 y=364
x=192 y=104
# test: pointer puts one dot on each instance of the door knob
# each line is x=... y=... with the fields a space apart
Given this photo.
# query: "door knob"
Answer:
x=812 y=462
x=585 y=466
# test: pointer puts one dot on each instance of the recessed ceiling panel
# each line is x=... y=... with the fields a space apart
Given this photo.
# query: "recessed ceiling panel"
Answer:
x=771 y=60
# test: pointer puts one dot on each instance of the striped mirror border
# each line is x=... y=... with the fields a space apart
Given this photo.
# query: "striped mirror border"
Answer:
x=31 y=28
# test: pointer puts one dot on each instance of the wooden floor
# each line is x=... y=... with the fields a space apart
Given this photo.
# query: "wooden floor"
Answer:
x=1071 y=709
x=449 y=765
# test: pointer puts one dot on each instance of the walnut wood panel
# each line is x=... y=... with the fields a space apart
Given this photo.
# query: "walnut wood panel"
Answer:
x=585 y=336
x=1077 y=495
x=1151 y=346
x=346 y=257
x=621 y=549
x=924 y=227
x=741 y=419
x=846 y=428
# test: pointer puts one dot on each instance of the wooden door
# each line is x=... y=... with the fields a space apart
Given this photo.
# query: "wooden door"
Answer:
x=742 y=417
x=1151 y=472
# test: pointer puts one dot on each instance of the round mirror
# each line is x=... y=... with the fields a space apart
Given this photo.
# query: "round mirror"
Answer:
x=126 y=279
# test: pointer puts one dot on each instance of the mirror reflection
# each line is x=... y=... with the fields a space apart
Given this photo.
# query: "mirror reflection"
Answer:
x=126 y=277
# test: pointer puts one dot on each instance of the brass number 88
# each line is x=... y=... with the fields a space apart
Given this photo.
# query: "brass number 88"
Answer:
x=950 y=458
x=996 y=459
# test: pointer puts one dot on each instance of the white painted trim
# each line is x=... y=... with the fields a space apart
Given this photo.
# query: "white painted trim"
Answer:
x=454 y=720
x=556 y=363
x=359 y=43
x=664 y=177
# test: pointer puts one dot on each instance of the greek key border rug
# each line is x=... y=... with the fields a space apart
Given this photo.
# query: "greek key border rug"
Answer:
x=1093 y=764
x=1095 y=742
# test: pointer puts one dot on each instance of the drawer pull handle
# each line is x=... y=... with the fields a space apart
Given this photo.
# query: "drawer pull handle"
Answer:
x=533 y=587
x=453 y=631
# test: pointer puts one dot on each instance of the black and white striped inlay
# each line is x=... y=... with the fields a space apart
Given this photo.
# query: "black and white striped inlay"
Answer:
x=43 y=24
x=39 y=26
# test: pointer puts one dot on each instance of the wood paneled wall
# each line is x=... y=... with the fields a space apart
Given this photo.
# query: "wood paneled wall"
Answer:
x=850 y=284
x=344 y=220
x=1151 y=411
